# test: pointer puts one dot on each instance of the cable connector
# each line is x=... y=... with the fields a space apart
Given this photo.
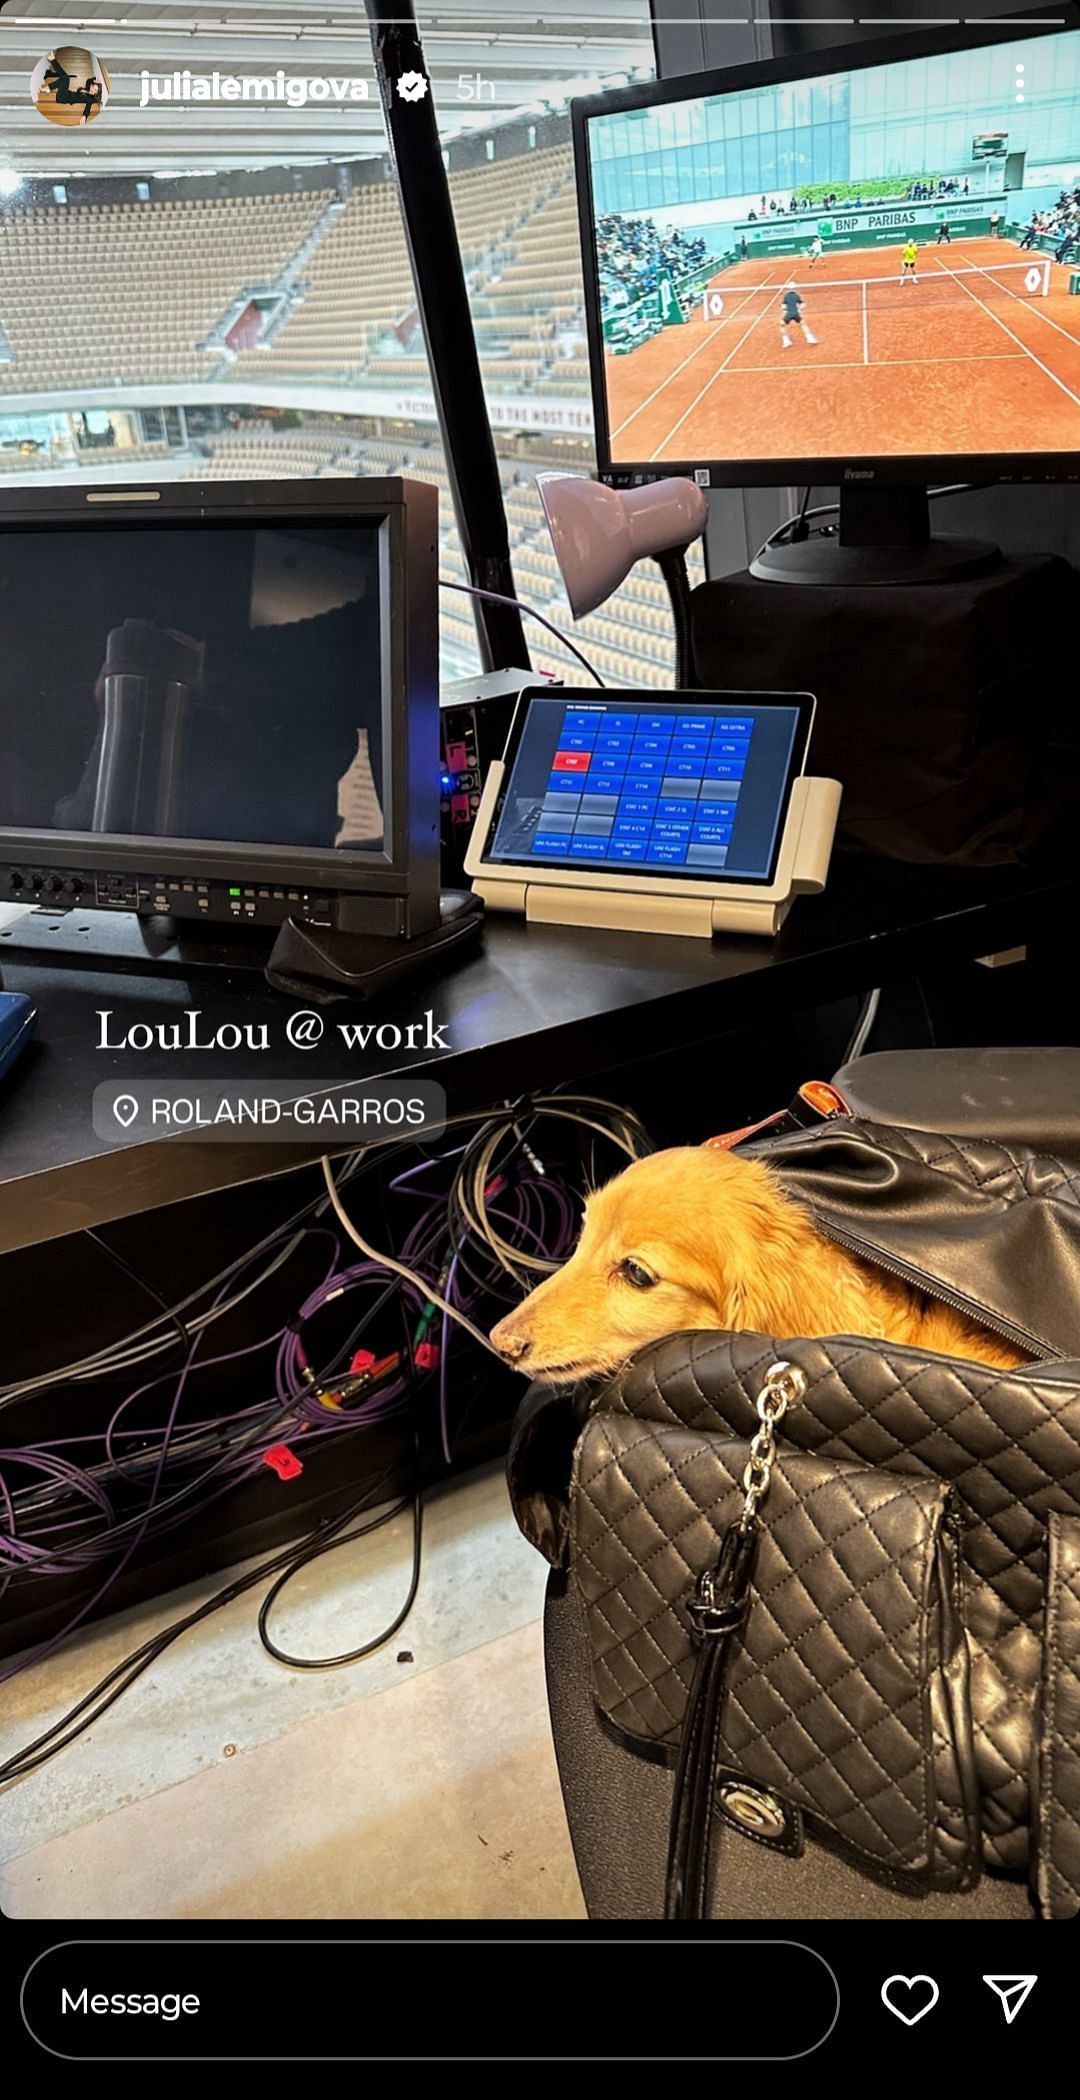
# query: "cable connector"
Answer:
x=426 y=1356
x=356 y=1381
x=525 y=1106
x=283 y=1462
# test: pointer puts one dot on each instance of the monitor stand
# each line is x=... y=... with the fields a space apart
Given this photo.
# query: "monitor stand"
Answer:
x=312 y=962
x=884 y=538
x=122 y=940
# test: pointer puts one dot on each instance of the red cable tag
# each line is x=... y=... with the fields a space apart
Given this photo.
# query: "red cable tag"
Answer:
x=362 y=1361
x=283 y=1461
x=427 y=1356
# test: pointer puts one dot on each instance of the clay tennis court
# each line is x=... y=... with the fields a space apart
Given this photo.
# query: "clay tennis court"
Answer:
x=977 y=351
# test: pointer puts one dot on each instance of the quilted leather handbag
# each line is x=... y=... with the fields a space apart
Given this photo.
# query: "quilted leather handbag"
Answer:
x=894 y=1659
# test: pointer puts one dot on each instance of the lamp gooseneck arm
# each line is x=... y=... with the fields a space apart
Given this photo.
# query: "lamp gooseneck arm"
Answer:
x=672 y=566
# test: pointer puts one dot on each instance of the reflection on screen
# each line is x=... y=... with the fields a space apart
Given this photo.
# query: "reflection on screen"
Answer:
x=878 y=263
x=213 y=683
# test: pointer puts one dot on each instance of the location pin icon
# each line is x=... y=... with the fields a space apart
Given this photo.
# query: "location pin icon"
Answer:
x=125 y=1109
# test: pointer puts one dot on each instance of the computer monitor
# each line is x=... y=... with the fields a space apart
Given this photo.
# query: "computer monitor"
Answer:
x=859 y=267
x=219 y=703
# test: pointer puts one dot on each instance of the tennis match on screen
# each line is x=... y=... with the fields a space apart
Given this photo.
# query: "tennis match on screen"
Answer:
x=883 y=261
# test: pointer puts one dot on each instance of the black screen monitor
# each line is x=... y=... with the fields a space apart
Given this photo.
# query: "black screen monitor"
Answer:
x=221 y=703
x=860 y=266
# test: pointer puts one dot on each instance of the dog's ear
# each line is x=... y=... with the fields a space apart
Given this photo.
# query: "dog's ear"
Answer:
x=775 y=1272
x=765 y=1254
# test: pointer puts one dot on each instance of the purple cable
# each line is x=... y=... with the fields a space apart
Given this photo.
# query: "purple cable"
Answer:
x=83 y=1482
x=46 y=1647
x=534 y=1208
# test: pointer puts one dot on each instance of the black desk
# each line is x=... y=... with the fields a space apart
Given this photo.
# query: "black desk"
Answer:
x=538 y=1005
x=535 y=1007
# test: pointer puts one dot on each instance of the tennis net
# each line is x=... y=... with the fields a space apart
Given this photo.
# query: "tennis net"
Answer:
x=929 y=286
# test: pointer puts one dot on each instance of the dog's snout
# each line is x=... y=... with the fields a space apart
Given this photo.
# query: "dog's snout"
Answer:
x=510 y=1342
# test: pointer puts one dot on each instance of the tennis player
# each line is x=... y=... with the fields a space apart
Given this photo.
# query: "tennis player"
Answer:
x=909 y=263
x=791 y=316
x=817 y=250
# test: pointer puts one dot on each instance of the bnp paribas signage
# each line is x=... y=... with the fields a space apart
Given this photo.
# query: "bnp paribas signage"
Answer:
x=907 y=215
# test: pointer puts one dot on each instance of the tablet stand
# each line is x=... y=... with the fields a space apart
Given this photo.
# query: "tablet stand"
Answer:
x=802 y=866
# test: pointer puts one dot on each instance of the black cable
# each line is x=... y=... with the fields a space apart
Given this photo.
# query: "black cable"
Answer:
x=315 y=1552
x=85 y=1367
x=495 y=1280
x=930 y=1030
x=514 y=1121
x=860 y=1034
x=342 y=1357
x=512 y=1125
x=119 y=1679
x=224 y=1446
x=102 y=1362
x=250 y=1435
x=169 y=1313
x=786 y=533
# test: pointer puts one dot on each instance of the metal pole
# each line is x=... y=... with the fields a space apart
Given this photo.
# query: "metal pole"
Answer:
x=443 y=301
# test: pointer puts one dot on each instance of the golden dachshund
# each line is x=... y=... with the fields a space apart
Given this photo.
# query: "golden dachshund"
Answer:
x=695 y=1237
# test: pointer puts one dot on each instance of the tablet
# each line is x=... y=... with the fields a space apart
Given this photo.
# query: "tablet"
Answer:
x=695 y=785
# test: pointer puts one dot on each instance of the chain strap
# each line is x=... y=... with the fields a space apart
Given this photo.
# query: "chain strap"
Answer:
x=712 y=1609
x=716 y=1612
x=783 y=1386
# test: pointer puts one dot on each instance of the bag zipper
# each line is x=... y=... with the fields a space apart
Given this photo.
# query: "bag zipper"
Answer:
x=932 y=1288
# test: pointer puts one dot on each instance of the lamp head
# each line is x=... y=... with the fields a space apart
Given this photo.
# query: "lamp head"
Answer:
x=599 y=533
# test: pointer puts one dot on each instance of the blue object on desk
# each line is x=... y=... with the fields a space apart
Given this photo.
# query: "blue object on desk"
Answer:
x=18 y=1020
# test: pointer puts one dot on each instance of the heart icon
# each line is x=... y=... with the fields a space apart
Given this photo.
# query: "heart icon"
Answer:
x=125 y=1109
x=910 y=1997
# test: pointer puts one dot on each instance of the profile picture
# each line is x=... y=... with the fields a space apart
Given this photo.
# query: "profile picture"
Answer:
x=69 y=86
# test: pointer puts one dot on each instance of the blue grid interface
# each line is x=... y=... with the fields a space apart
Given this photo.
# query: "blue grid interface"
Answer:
x=697 y=786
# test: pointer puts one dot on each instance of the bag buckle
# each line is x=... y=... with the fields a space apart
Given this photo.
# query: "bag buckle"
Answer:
x=758 y=1813
x=709 y=1615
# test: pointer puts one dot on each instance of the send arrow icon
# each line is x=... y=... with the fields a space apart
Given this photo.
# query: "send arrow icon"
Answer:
x=1014 y=1992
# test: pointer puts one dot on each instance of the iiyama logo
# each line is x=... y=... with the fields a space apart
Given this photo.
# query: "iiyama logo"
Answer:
x=859 y=473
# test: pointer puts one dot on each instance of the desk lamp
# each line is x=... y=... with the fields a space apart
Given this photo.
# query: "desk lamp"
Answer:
x=598 y=534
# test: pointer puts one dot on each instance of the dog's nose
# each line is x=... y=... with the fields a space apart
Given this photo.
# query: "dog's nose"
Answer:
x=510 y=1342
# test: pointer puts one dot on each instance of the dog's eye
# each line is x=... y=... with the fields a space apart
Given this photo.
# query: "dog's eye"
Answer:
x=634 y=1273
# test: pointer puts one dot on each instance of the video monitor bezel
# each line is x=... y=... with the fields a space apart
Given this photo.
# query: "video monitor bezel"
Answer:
x=404 y=515
x=917 y=470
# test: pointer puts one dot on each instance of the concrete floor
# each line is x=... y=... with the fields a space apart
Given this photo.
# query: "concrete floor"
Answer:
x=420 y=1783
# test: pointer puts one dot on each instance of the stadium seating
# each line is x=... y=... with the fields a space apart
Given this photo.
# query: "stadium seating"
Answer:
x=153 y=283
x=518 y=233
x=88 y=462
x=258 y=452
x=129 y=292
